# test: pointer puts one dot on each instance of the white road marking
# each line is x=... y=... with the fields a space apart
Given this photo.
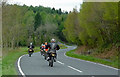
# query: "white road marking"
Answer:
x=20 y=67
x=91 y=62
x=60 y=62
x=74 y=69
x=70 y=67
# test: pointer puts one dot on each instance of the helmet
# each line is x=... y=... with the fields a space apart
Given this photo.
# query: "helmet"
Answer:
x=53 y=40
x=30 y=43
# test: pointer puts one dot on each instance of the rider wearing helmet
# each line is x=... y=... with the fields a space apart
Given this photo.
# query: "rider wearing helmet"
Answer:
x=53 y=47
x=31 y=45
x=42 y=49
x=31 y=49
x=46 y=47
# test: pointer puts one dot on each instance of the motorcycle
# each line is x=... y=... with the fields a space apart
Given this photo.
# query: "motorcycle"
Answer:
x=41 y=51
x=51 y=60
x=30 y=51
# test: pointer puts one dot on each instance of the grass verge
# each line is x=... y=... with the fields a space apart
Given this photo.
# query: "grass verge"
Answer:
x=91 y=58
x=9 y=61
x=0 y=68
x=63 y=42
x=62 y=46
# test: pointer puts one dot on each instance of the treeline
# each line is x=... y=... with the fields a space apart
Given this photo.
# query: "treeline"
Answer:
x=23 y=24
x=95 y=26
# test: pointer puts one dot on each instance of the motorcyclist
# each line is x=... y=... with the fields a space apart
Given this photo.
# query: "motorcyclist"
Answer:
x=42 y=49
x=31 y=46
x=46 y=47
x=46 y=50
x=30 y=50
x=53 y=47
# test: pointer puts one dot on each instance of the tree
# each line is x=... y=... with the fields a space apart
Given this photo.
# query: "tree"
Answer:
x=97 y=27
x=38 y=20
x=59 y=11
x=72 y=28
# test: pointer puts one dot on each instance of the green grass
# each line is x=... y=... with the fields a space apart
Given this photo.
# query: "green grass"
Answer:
x=91 y=58
x=37 y=49
x=62 y=46
x=67 y=43
x=0 y=68
x=9 y=61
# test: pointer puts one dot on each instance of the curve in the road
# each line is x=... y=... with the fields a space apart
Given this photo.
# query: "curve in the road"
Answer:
x=65 y=65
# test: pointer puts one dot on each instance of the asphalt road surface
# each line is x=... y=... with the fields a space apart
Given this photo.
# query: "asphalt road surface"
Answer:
x=36 y=65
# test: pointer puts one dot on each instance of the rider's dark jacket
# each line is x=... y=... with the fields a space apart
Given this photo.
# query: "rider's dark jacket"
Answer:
x=53 y=47
x=31 y=46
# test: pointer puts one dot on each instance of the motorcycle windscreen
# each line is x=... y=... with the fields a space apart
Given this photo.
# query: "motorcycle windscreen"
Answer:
x=52 y=51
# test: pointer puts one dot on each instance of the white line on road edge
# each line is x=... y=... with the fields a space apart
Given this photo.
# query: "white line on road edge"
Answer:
x=60 y=62
x=75 y=69
x=91 y=62
x=20 y=67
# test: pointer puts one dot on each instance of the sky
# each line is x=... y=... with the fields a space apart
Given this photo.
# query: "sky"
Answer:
x=66 y=5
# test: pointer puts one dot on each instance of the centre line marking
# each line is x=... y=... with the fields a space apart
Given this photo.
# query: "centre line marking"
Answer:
x=74 y=69
x=60 y=62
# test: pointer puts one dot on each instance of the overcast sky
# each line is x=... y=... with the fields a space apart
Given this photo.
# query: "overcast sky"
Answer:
x=66 y=5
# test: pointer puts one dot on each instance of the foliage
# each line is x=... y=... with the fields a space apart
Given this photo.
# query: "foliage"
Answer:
x=96 y=25
x=25 y=24
x=62 y=46
x=38 y=20
x=71 y=25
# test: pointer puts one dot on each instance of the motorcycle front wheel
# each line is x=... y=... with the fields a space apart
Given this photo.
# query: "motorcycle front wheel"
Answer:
x=51 y=62
x=30 y=53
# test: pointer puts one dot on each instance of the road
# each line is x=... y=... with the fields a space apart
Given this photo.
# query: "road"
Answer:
x=36 y=65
